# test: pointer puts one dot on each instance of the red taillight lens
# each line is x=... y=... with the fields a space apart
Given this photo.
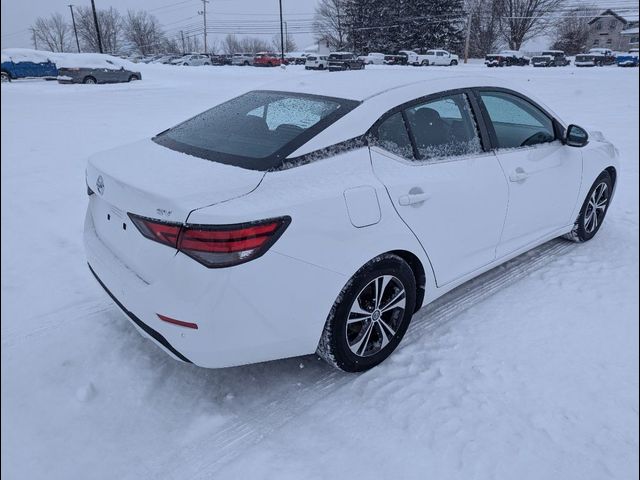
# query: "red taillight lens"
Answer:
x=161 y=232
x=215 y=246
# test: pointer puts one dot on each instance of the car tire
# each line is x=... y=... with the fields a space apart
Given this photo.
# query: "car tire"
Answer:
x=453 y=63
x=593 y=211
x=245 y=63
x=320 y=67
x=425 y=63
x=347 y=67
x=89 y=80
x=359 y=333
x=133 y=78
x=5 y=77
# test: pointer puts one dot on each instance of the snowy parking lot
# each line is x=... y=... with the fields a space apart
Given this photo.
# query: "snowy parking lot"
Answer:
x=527 y=372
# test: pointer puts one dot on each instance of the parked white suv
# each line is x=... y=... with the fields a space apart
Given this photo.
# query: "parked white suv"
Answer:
x=373 y=59
x=242 y=59
x=193 y=59
x=440 y=57
x=316 y=62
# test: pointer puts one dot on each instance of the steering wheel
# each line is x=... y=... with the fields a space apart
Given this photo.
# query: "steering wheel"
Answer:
x=538 y=137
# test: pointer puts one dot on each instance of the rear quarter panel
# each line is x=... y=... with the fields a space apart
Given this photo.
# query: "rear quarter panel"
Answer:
x=321 y=232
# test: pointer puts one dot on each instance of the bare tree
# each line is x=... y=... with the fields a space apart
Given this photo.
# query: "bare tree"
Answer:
x=231 y=44
x=143 y=32
x=485 y=26
x=53 y=32
x=330 y=24
x=253 y=45
x=572 y=30
x=524 y=19
x=111 y=27
x=289 y=44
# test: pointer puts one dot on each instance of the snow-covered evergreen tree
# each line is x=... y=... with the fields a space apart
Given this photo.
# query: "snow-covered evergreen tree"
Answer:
x=392 y=25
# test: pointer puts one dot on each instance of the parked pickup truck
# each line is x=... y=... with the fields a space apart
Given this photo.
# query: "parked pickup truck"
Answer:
x=550 y=58
x=373 y=59
x=440 y=57
x=414 y=58
x=24 y=63
x=597 y=57
x=506 y=58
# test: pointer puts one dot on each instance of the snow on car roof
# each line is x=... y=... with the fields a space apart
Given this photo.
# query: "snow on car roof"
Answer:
x=379 y=91
x=362 y=85
x=68 y=60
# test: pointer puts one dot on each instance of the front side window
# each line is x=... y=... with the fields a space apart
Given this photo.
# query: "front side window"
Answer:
x=256 y=130
x=516 y=122
x=444 y=128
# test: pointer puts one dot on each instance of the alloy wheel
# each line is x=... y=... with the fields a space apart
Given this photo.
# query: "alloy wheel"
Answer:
x=596 y=208
x=375 y=316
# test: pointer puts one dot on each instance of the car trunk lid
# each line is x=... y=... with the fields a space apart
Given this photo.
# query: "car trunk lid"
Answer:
x=152 y=181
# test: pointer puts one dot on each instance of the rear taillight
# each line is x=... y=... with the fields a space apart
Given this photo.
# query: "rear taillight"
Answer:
x=215 y=246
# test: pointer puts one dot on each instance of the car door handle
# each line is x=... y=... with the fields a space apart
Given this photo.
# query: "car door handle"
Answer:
x=519 y=175
x=413 y=199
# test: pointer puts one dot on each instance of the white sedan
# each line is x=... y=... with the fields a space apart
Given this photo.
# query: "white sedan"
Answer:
x=319 y=217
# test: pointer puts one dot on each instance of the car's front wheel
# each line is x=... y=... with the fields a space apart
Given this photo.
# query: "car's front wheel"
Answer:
x=89 y=80
x=454 y=63
x=370 y=316
x=5 y=77
x=593 y=210
x=133 y=78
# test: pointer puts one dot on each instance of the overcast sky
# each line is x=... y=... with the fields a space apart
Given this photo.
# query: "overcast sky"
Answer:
x=250 y=17
x=226 y=16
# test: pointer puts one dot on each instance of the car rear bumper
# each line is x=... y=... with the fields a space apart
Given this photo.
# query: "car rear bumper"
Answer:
x=261 y=310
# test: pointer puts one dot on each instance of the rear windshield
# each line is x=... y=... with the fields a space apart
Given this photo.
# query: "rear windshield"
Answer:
x=256 y=130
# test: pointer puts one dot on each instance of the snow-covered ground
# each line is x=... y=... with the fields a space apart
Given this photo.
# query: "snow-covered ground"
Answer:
x=528 y=372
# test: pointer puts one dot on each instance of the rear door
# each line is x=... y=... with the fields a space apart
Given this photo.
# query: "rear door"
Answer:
x=447 y=187
x=544 y=174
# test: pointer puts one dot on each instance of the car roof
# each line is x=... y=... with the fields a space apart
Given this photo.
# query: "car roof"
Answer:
x=363 y=85
x=378 y=91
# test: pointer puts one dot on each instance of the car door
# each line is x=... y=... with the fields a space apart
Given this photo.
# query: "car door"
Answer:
x=445 y=184
x=543 y=173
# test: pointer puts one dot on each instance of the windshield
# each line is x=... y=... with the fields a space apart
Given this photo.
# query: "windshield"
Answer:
x=256 y=130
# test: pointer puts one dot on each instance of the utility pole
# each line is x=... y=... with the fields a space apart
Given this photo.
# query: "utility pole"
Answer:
x=182 y=35
x=75 y=30
x=95 y=20
x=281 y=35
x=34 y=38
x=466 y=41
x=286 y=38
x=204 y=14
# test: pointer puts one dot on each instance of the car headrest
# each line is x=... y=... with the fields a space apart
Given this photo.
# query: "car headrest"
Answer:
x=427 y=116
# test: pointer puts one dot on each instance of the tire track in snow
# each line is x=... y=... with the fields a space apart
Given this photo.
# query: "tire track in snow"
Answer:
x=202 y=461
x=55 y=318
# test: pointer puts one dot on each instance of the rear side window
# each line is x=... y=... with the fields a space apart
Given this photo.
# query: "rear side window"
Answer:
x=256 y=130
x=393 y=136
x=517 y=123
x=444 y=128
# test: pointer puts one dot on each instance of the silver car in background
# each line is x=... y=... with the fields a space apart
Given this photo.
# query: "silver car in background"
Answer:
x=93 y=75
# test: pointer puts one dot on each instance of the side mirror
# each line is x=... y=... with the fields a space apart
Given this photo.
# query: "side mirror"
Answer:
x=576 y=136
